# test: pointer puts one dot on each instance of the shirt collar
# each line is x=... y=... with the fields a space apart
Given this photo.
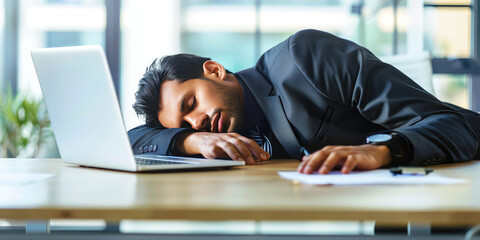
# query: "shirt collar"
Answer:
x=253 y=112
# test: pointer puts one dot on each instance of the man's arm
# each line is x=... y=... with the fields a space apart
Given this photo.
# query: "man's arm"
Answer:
x=435 y=132
x=163 y=138
x=185 y=141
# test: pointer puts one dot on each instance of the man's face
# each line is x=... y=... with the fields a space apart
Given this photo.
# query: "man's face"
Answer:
x=210 y=105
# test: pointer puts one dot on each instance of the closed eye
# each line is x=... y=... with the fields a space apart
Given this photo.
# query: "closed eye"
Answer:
x=191 y=104
x=190 y=108
x=194 y=103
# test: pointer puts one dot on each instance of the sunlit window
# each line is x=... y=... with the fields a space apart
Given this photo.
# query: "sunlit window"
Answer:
x=447 y=38
x=238 y=32
x=452 y=88
x=150 y=29
x=448 y=35
x=449 y=2
x=56 y=23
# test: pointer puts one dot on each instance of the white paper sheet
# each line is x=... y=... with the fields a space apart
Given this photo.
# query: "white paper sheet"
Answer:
x=10 y=179
x=375 y=177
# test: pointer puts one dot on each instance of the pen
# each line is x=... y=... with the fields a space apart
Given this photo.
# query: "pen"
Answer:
x=304 y=151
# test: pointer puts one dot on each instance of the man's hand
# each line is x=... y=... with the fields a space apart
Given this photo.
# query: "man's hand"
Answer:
x=222 y=145
x=363 y=157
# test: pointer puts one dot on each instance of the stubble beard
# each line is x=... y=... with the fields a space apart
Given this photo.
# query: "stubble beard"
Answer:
x=233 y=107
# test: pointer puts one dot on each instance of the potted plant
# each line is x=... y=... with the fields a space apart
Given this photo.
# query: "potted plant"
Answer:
x=24 y=125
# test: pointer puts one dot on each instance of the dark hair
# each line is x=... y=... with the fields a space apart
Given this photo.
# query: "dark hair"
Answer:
x=180 y=67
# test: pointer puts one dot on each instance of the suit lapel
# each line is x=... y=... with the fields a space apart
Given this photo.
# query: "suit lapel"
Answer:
x=273 y=109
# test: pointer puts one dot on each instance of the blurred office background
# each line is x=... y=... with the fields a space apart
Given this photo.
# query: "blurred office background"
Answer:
x=434 y=41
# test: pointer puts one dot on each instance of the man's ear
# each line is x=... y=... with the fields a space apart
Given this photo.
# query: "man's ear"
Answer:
x=214 y=70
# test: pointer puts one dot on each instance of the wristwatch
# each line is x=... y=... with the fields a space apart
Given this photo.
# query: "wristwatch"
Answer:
x=395 y=143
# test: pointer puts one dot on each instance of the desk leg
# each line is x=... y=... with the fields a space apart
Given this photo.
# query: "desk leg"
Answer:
x=112 y=227
x=472 y=232
x=36 y=226
x=416 y=229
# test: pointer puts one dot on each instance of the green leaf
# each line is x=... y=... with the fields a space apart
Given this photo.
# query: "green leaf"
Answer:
x=22 y=115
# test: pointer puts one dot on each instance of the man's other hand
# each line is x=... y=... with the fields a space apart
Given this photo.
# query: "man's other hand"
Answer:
x=363 y=157
x=222 y=145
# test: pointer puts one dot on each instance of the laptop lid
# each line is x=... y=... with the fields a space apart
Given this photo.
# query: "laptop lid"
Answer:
x=83 y=108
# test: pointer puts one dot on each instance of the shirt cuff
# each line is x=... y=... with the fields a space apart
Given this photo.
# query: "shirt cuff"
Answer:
x=171 y=149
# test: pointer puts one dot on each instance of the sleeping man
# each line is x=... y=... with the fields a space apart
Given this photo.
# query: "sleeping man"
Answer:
x=313 y=90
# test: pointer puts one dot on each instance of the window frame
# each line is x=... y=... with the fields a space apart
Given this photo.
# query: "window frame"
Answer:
x=10 y=45
x=464 y=66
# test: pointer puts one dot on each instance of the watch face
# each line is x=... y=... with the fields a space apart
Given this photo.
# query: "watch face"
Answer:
x=378 y=138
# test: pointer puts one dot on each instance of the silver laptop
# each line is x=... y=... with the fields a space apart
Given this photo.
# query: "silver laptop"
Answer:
x=85 y=115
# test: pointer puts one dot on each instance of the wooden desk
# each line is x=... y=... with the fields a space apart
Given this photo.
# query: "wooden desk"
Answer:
x=242 y=193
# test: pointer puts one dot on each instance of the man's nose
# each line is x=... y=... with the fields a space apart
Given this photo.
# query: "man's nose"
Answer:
x=199 y=122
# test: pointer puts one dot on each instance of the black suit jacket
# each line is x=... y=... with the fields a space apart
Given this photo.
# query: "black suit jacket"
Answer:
x=317 y=89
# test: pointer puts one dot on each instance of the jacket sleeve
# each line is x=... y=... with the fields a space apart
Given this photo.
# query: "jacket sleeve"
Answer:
x=162 y=140
x=352 y=76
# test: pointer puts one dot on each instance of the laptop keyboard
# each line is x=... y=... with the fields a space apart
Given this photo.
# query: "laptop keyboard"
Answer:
x=147 y=161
